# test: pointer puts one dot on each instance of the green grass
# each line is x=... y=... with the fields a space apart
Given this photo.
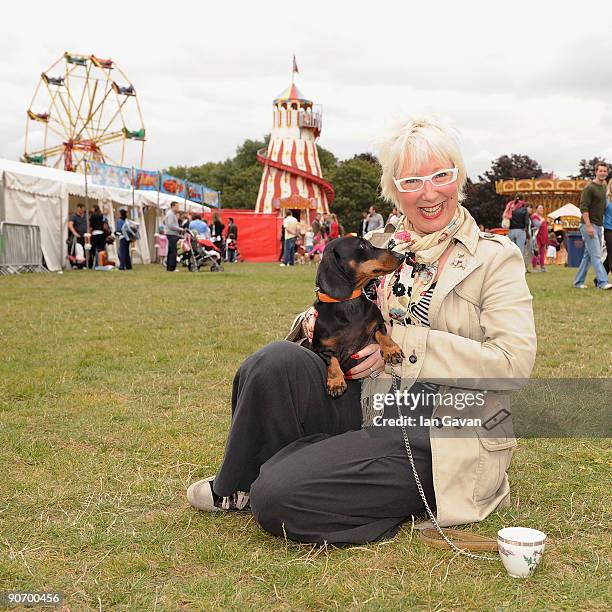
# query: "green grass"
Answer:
x=115 y=395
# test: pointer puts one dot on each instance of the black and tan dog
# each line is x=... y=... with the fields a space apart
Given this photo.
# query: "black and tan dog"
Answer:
x=347 y=321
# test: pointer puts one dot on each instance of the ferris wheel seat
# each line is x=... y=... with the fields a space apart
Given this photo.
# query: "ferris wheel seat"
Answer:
x=52 y=80
x=42 y=117
x=134 y=134
x=125 y=91
x=79 y=60
x=39 y=160
x=101 y=63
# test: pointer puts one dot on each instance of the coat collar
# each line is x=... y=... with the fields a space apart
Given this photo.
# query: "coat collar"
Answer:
x=468 y=234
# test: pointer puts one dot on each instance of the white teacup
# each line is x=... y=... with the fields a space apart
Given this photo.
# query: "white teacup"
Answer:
x=520 y=549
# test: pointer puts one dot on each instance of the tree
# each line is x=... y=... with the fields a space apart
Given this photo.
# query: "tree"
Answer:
x=367 y=157
x=482 y=201
x=356 y=183
x=587 y=168
x=327 y=160
x=236 y=178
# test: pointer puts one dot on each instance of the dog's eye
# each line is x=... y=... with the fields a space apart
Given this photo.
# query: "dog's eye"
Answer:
x=362 y=245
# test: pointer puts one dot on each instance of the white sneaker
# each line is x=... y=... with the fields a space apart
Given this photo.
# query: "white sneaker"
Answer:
x=583 y=286
x=607 y=286
x=282 y=265
x=201 y=496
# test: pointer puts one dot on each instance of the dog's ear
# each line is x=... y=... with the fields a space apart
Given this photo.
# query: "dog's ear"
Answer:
x=334 y=277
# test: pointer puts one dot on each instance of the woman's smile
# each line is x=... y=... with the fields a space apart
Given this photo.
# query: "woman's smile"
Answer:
x=432 y=212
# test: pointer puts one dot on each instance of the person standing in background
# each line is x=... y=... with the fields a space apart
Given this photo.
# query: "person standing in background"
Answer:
x=540 y=241
x=125 y=260
x=334 y=227
x=592 y=206
x=519 y=225
x=375 y=220
x=96 y=229
x=394 y=216
x=316 y=224
x=216 y=233
x=232 y=228
x=200 y=226
x=309 y=240
x=290 y=225
x=77 y=224
x=173 y=231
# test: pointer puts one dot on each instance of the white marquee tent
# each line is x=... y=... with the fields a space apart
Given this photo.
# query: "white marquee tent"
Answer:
x=42 y=196
x=569 y=210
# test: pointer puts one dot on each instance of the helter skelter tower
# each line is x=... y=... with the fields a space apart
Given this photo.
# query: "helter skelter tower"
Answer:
x=292 y=177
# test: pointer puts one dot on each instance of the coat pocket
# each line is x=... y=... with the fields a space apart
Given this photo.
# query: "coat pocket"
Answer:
x=495 y=455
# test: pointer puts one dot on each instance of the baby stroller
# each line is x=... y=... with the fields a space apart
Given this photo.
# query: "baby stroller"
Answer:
x=76 y=253
x=198 y=252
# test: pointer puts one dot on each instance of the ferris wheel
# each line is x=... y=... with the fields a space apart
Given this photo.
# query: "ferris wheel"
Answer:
x=84 y=108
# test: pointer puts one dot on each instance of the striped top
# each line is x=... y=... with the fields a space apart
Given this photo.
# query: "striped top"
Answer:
x=420 y=311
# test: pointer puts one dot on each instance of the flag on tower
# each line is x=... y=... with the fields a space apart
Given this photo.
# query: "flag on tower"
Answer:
x=295 y=66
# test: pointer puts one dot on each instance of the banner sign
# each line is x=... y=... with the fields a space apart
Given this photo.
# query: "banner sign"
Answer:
x=109 y=176
x=196 y=192
x=211 y=197
x=147 y=180
x=172 y=186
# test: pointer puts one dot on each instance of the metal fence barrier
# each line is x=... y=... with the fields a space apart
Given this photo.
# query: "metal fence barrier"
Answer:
x=20 y=249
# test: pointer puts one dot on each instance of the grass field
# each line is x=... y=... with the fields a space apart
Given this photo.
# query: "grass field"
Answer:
x=115 y=395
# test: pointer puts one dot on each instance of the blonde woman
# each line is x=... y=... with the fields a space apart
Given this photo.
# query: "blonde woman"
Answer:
x=316 y=469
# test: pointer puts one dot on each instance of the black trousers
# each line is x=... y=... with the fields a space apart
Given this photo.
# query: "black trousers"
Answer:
x=98 y=244
x=125 y=259
x=313 y=473
x=171 y=256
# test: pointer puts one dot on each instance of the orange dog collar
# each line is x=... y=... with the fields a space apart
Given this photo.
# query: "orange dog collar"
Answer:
x=323 y=297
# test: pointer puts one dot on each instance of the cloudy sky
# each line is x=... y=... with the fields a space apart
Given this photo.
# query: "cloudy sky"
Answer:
x=515 y=77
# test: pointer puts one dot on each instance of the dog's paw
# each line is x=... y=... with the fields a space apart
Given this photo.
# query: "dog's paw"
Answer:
x=336 y=387
x=393 y=354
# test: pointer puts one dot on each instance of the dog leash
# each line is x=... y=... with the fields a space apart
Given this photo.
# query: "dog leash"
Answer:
x=428 y=539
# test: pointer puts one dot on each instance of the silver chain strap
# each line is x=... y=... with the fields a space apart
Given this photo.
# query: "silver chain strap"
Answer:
x=461 y=551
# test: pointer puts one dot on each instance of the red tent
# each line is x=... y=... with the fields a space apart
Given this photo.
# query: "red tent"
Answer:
x=258 y=234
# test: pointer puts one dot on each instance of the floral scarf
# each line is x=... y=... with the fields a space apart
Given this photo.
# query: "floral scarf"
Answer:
x=405 y=287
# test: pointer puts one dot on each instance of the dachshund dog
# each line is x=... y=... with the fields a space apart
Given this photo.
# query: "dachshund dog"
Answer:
x=347 y=321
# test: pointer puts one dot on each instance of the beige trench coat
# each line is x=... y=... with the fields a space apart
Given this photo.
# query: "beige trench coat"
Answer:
x=481 y=328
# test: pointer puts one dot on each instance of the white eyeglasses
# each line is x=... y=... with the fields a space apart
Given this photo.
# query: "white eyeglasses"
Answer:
x=416 y=183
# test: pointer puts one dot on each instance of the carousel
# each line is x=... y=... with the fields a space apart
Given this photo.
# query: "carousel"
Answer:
x=554 y=194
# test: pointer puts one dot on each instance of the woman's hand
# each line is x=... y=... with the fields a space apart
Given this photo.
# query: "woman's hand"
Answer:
x=372 y=364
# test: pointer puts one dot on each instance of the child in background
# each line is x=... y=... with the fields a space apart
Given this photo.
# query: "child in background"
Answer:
x=161 y=246
x=552 y=248
x=320 y=242
x=300 y=251
x=309 y=240
x=231 y=246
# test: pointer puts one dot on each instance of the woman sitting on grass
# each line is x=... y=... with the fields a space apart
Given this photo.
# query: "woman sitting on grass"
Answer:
x=309 y=466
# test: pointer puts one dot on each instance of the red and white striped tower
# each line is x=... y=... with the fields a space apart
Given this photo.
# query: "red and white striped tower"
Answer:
x=292 y=177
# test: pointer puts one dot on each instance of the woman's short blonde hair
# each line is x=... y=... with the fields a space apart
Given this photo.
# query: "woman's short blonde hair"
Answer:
x=416 y=140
